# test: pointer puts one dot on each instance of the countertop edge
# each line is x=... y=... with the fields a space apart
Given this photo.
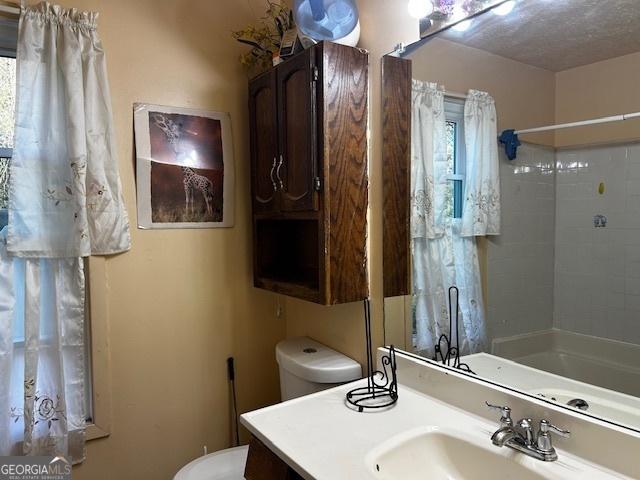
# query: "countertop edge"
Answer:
x=246 y=421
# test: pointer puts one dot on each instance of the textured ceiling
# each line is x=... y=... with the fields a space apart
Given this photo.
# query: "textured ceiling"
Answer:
x=557 y=34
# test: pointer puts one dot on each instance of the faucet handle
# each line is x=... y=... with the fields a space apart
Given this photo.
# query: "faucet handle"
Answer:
x=545 y=444
x=546 y=427
x=505 y=419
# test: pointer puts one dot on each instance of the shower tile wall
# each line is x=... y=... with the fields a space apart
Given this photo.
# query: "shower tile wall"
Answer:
x=597 y=270
x=520 y=266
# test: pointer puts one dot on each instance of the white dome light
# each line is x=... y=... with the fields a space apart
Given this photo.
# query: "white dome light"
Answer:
x=463 y=26
x=504 y=8
x=420 y=8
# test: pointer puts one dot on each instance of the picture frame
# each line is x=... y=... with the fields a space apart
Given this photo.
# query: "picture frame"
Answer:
x=185 y=168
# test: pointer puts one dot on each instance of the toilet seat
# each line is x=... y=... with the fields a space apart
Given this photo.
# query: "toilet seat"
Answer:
x=221 y=465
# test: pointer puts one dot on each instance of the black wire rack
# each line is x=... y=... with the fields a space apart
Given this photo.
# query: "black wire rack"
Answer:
x=447 y=352
x=382 y=386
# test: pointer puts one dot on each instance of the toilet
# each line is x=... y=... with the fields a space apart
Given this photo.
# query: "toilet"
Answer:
x=305 y=366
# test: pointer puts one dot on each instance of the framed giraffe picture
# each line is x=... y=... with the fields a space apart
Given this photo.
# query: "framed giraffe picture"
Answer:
x=184 y=167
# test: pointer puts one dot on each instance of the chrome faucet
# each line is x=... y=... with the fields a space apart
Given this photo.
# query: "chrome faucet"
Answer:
x=522 y=437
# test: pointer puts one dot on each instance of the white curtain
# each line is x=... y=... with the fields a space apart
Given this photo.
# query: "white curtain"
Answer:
x=428 y=160
x=65 y=198
x=65 y=202
x=481 y=210
x=441 y=256
x=42 y=356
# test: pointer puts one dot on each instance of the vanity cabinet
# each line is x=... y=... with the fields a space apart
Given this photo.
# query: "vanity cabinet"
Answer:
x=263 y=464
x=308 y=133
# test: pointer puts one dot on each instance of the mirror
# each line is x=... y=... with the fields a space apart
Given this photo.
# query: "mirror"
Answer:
x=540 y=232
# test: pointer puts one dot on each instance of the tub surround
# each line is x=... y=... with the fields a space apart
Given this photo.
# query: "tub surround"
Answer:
x=308 y=431
x=551 y=267
x=597 y=270
x=519 y=281
x=602 y=403
x=598 y=361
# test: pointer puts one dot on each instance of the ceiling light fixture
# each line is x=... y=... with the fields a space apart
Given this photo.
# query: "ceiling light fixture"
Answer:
x=420 y=8
x=504 y=8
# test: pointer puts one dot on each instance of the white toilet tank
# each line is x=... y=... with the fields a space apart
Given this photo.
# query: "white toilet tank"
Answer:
x=307 y=366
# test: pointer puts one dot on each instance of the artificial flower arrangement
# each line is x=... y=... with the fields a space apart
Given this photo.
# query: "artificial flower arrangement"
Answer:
x=265 y=38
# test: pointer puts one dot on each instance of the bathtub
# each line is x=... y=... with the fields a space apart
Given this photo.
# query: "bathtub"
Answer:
x=563 y=366
x=598 y=361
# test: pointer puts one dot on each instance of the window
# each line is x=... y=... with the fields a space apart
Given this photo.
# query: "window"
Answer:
x=454 y=113
x=7 y=119
x=456 y=162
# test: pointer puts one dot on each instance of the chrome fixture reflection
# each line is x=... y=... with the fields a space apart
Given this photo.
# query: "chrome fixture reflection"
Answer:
x=579 y=403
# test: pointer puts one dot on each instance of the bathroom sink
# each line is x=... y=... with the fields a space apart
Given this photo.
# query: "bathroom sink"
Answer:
x=437 y=454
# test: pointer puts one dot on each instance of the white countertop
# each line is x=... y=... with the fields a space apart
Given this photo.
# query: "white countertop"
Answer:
x=321 y=438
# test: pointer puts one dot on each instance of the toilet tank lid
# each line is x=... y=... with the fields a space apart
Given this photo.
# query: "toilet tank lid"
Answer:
x=315 y=362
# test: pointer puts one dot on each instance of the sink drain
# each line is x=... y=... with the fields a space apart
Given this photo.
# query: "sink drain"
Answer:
x=578 y=403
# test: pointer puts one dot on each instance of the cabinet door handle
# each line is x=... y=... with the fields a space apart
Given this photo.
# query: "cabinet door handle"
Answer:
x=278 y=172
x=273 y=180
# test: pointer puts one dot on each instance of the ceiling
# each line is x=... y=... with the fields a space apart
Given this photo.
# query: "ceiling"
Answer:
x=557 y=34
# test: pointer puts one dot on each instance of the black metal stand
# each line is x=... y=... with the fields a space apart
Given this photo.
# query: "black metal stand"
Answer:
x=446 y=353
x=382 y=386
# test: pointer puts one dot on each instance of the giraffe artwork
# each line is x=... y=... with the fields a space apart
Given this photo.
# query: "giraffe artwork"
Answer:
x=185 y=156
x=197 y=183
x=192 y=182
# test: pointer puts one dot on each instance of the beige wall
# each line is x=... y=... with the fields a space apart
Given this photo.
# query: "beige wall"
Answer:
x=524 y=95
x=597 y=90
x=180 y=301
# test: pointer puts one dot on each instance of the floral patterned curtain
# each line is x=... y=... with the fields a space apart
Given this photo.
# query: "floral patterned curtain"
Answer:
x=481 y=210
x=65 y=202
x=65 y=194
x=428 y=160
x=441 y=257
x=42 y=356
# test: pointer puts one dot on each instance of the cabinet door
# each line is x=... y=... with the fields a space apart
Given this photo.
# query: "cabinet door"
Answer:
x=296 y=170
x=263 y=118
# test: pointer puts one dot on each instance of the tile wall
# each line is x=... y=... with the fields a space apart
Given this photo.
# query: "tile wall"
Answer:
x=521 y=260
x=597 y=270
x=552 y=266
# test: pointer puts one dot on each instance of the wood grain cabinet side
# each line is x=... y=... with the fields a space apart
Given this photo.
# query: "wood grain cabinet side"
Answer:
x=263 y=464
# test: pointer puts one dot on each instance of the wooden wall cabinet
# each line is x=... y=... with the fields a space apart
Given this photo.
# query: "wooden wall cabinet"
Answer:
x=308 y=131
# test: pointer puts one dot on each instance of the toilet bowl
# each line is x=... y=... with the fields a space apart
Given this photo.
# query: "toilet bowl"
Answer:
x=306 y=366
x=222 y=465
